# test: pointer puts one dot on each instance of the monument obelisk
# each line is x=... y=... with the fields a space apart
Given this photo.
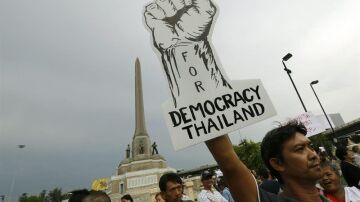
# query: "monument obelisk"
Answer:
x=141 y=145
x=141 y=157
x=139 y=172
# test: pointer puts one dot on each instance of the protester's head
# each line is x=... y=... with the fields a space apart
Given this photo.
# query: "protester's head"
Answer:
x=356 y=149
x=206 y=179
x=330 y=180
x=343 y=153
x=264 y=174
x=171 y=187
x=288 y=153
x=97 y=196
x=78 y=195
x=158 y=197
x=221 y=184
x=126 y=198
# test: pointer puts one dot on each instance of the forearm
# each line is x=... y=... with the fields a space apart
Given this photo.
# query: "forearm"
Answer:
x=191 y=68
x=235 y=172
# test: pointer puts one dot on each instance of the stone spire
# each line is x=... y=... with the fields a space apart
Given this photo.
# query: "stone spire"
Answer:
x=141 y=144
x=140 y=128
x=141 y=156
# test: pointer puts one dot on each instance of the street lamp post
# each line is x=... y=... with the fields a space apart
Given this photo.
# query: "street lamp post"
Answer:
x=288 y=71
x=10 y=198
x=311 y=85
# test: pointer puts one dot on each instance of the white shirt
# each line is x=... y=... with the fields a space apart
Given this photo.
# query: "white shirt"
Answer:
x=352 y=194
x=208 y=196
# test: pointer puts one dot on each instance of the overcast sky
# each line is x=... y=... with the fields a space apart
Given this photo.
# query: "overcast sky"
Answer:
x=67 y=79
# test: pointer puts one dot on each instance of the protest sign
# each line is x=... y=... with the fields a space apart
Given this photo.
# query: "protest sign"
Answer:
x=207 y=118
x=313 y=124
x=181 y=33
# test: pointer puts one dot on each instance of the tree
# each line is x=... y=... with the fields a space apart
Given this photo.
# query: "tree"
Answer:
x=55 y=195
x=321 y=140
x=25 y=198
x=43 y=196
x=249 y=153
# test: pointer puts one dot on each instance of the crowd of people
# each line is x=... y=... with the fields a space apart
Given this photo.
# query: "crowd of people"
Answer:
x=295 y=172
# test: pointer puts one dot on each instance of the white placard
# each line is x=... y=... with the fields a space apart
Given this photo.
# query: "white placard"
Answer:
x=181 y=37
x=313 y=124
x=211 y=117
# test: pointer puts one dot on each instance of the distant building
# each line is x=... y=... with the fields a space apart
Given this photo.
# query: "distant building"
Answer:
x=335 y=119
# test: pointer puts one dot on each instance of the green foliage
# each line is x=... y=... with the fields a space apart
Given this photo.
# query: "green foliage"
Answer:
x=25 y=198
x=54 y=195
x=249 y=153
x=321 y=140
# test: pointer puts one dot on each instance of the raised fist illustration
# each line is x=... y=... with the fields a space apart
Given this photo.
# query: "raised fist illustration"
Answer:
x=176 y=21
x=180 y=31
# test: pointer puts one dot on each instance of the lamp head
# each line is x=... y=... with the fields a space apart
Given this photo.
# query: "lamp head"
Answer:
x=287 y=70
x=287 y=57
x=314 y=82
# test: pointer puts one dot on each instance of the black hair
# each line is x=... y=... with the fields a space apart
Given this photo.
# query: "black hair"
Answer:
x=98 y=196
x=78 y=195
x=264 y=173
x=168 y=177
x=127 y=197
x=341 y=152
x=273 y=142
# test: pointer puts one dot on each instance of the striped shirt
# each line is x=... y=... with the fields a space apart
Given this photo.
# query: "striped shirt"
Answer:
x=208 y=196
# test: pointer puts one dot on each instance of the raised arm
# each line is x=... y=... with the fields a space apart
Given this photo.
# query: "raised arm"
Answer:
x=241 y=182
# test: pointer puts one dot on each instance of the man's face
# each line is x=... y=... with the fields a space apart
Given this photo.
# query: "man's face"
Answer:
x=207 y=183
x=173 y=192
x=125 y=200
x=330 y=180
x=300 y=161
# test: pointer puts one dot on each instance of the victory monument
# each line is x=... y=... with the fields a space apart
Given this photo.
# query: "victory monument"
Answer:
x=139 y=173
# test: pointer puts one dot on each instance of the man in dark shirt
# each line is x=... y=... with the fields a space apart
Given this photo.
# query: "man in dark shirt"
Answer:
x=350 y=171
x=268 y=183
x=288 y=155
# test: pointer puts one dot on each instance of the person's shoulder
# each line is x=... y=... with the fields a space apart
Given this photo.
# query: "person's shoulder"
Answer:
x=202 y=194
x=271 y=197
x=324 y=199
x=349 y=166
x=186 y=201
x=202 y=191
x=352 y=190
x=267 y=196
x=217 y=192
x=226 y=190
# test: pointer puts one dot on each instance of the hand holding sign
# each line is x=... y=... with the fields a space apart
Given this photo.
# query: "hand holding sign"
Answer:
x=180 y=30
